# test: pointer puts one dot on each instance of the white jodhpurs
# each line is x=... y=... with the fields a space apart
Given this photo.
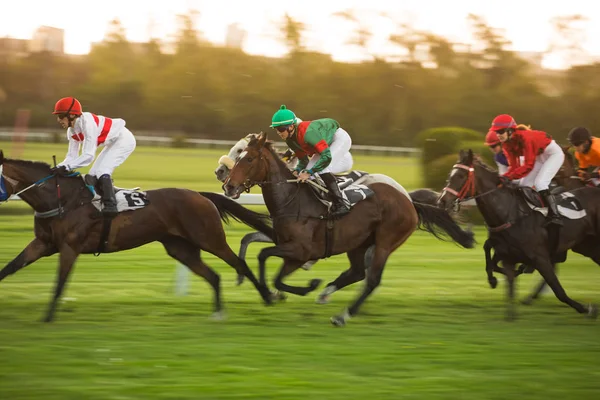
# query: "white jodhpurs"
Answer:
x=114 y=154
x=545 y=168
x=341 y=159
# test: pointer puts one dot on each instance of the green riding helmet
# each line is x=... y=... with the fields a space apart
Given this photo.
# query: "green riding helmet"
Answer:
x=282 y=117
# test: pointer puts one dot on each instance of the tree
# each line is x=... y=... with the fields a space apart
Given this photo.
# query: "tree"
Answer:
x=567 y=39
x=292 y=32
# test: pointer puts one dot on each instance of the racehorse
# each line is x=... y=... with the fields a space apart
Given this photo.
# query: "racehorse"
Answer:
x=66 y=222
x=378 y=224
x=565 y=179
x=516 y=230
x=226 y=163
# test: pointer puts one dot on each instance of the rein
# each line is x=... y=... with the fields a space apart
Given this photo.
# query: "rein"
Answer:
x=468 y=187
x=468 y=192
x=45 y=214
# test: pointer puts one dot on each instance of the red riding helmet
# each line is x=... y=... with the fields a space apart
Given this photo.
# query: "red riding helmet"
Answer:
x=503 y=121
x=491 y=139
x=67 y=105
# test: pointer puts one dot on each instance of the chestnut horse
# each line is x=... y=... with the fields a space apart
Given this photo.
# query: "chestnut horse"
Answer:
x=184 y=221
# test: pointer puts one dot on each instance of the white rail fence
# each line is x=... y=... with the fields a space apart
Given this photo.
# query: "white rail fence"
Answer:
x=48 y=137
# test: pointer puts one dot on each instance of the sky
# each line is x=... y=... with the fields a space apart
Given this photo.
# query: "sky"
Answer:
x=526 y=23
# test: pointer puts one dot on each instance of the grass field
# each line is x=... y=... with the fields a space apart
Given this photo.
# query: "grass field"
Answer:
x=433 y=330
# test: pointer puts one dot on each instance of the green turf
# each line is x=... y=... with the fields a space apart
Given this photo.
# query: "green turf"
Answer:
x=433 y=330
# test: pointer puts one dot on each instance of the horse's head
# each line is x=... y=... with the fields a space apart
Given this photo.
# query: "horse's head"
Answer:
x=227 y=162
x=461 y=181
x=249 y=169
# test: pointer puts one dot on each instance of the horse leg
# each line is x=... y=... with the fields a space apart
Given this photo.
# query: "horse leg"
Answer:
x=374 y=274
x=290 y=264
x=67 y=258
x=288 y=267
x=545 y=268
x=239 y=264
x=245 y=242
x=189 y=255
x=509 y=271
x=35 y=250
x=490 y=263
x=356 y=272
x=537 y=290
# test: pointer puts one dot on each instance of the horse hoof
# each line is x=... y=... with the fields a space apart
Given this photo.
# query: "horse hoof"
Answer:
x=240 y=279
x=338 y=320
x=47 y=319
x=322 y=299
x=218 y=316
x=315 y=284
x=276 y=295
x=592 y=311
x=527 y=301
x=493 y=282
x=510 y=316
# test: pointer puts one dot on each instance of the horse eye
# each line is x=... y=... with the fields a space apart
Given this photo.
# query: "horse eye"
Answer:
x=249 y=159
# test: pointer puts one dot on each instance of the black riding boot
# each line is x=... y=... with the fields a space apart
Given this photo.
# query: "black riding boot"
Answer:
x=553 y=215
x=338 y=206
x=109 y=201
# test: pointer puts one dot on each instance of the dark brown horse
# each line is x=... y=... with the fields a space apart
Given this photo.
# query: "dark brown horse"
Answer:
x=565 y=179
x=184 y=221
x=377 y=225
x=517 y=231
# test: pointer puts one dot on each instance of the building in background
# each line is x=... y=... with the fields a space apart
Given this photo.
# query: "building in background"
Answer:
x=11 y=48
x=47 y=38
x=235 y=37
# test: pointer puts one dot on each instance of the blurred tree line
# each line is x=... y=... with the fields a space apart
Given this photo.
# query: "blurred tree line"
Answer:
x=215 y=92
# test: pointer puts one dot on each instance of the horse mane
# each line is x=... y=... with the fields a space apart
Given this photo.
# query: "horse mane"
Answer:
x=482 y=164
x=26 y=163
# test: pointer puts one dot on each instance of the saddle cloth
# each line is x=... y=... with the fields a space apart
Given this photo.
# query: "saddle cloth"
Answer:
x=350 y=187
x=568 y=205
x=127 y=200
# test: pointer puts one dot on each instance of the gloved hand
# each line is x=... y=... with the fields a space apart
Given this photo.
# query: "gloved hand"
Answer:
x=61 y=170
x=505 y=181
x=587 y=176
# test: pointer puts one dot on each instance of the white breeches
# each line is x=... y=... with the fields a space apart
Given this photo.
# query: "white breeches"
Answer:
x=545 y=168
x=341 y=159
x=114 y=154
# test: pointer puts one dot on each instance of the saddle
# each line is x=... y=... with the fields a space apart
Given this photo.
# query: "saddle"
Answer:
x=350 y=187
x=127 y=199
x=567 y=203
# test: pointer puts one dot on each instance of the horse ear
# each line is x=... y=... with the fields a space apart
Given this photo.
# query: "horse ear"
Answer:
x=1 y=157
x=262 y=138
x=470 y=157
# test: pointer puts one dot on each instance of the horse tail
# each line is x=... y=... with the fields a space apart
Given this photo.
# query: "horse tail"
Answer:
x=229 y=208
x=440 y=224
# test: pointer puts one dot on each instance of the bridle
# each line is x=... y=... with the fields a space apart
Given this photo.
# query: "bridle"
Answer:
x=248 y=183
x=467 y=191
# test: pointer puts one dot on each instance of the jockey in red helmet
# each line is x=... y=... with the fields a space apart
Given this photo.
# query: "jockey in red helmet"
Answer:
x=86 y=132
x=492 y=141
x=543 y=157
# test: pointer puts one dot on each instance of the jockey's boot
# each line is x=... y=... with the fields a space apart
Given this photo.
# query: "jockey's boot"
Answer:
x=553 y=215
x=338 y=207
x=109 y=201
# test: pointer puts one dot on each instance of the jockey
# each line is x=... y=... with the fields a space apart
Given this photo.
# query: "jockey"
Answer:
x=492 y=141
x=87 y=131
x=325 y=142
x=587 y=152
x=543 y=157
